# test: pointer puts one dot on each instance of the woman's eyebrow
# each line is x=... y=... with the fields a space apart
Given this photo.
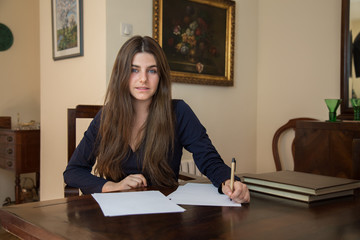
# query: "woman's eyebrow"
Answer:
x=151 y=66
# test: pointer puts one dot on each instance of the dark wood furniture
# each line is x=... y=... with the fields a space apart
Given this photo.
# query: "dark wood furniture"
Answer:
x=81 y=111
x=20 y=152
x=265 y=217
x=5 y=122
x=290 y=125
x=347 y=112
x=328 y=148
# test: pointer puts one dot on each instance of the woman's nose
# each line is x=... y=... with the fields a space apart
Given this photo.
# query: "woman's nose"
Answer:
x=143 y=77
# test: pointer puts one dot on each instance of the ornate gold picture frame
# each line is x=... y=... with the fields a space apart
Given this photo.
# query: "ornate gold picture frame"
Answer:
x=198 y=39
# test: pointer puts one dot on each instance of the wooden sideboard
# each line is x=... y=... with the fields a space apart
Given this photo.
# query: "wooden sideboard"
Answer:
x=328 y=148
x=20 y=152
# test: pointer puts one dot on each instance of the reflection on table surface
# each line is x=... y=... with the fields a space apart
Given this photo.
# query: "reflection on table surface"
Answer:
x=81 y=218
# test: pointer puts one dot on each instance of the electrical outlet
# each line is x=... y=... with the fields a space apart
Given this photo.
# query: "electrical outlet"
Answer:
x=126 y=29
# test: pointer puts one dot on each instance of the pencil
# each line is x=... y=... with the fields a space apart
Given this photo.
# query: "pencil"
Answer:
x=233 y=166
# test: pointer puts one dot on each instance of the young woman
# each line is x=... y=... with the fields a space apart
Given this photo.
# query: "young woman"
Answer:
x=137 y=138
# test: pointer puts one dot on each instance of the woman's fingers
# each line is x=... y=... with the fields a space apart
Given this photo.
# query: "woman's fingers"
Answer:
x=131 y=181
x=240 y=194
x=135 y=180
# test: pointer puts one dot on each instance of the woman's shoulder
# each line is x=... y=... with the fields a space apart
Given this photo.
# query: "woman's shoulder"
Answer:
x=182 y=109
x=176 y=102
x=186 y=120
x=179 y=105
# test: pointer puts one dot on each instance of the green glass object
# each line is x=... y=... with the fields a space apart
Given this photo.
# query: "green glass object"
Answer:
x=332 y=105
x=356 y=106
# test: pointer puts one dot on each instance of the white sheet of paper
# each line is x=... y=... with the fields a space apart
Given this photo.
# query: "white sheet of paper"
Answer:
x=131 y=203
x=201 y=194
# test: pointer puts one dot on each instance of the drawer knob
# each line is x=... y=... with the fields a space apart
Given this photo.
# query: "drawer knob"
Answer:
x=9 y=151
x=9 y=163
x=10 y=139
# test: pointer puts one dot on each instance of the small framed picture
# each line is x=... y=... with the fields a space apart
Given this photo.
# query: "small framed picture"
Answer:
x=67 y=28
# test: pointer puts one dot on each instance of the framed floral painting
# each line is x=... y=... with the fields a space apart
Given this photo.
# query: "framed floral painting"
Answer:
x=67 y=28
x=197 y=37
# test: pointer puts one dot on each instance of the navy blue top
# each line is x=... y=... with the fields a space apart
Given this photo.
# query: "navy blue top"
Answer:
x=190 y=134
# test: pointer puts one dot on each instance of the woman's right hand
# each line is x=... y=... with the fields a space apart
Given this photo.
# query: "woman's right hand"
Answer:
x=131 y=181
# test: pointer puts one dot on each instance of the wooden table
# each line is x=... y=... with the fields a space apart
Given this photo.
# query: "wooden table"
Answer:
x=266 y=217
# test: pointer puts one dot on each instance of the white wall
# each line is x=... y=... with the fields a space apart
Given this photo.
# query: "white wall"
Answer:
x=298 y=65
x=64 y=84
x=286 y=62
x=125 y=11
x=19 y=72
x=207 y=101
x=229 y=113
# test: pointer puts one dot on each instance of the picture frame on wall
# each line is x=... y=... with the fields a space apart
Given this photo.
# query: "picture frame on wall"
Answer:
x=67 y=28
x=197 y=37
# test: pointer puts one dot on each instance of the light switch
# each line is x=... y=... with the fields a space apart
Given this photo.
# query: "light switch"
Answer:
x=126 y=29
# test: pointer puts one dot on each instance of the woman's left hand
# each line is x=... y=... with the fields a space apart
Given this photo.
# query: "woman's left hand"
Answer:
x=240 y=193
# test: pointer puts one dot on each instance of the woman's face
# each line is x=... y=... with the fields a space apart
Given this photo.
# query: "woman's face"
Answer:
x=144 y=77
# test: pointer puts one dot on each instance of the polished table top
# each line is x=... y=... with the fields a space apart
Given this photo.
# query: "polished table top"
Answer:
x=266 y=217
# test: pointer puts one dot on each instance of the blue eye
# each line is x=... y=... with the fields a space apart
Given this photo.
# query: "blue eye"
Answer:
x=154 y=71
x=134 y=70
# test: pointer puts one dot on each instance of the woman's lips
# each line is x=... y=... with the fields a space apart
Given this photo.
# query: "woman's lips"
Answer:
x=142 y=88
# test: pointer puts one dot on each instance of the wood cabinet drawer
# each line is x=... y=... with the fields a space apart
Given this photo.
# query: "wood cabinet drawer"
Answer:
x=7 y=151
x=7 y=138
x=7 y=163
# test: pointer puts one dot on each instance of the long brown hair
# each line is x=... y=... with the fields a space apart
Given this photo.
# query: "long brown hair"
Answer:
x=156 y=145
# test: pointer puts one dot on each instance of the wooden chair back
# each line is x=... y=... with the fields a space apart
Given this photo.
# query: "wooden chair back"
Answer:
x=81 y=111
x=290 y=125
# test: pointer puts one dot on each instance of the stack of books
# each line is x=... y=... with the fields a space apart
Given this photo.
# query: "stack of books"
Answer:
x=300 y=186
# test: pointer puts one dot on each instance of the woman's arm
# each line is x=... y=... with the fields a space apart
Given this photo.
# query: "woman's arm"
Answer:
x=194 y=138
x=192 y=135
